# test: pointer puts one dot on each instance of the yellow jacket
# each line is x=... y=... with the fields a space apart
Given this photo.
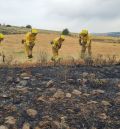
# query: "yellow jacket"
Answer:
x=30 y=39
x=1 y=36
x=56 y=43
x=85 y=40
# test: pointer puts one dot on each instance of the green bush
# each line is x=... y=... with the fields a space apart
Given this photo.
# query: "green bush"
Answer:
x=29 y=26
x=65 y=32
x=8 y=26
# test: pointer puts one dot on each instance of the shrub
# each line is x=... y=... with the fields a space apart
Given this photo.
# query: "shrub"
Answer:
x=29 y=26
x=8 y=26
x=42 y=57
x=65 y=32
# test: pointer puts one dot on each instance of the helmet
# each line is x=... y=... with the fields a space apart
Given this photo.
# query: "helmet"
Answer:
x=1 y=36
x=34 y=31
x=84 y=32
x=62 y=37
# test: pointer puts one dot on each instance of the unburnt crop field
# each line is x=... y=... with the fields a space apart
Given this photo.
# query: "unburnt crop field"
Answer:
x=14 y=50
x=60 y=97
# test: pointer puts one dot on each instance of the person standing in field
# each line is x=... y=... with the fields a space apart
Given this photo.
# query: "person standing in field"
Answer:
x=29 y=42
x=56 y=46
x=85 y=43
x=1 y=52
x=1 y=37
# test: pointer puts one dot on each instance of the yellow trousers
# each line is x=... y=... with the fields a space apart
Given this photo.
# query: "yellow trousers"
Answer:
x=83 y=51
x=28 y=50
x=55 y=56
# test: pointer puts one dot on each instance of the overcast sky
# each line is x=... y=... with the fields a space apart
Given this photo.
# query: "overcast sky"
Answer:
x=95 y=15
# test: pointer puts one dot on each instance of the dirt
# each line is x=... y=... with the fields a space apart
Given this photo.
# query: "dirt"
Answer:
x=61 y=97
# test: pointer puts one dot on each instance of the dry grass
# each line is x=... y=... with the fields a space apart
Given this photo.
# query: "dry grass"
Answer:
x=12 y=46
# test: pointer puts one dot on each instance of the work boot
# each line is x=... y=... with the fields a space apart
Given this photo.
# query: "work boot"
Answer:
x=30 y=56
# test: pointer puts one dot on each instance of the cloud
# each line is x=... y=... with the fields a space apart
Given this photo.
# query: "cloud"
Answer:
x=96 y=15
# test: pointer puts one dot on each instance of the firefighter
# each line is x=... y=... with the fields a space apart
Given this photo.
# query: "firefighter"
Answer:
x=29 y=42
x=1 y=37
x=85 y=42
x=56 y=45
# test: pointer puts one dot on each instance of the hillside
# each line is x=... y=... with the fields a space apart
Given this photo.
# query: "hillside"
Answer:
x=21 y=30
x=111 y=34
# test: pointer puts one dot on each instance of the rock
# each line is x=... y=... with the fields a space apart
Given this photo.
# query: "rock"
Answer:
x=83 y=81
x=37 y=127
x=103 y=81
x=26 y=78
x=51 y=99
x=118 y=85
x=22 y=90
x=3 y=127
x=9 y=79
x=103 y=116
x=50 y=83
x=118 y=94
x=97 y=92
x=117 y=100
x=86 y=95
x=63 y=124
x=39 y=89
x=70 y=111
x=4 y=96
x=11 y=108
x=38 y=75
x=70 y=81
x=68 y=95
x=93 y=128
x=106 y=103
x=63 y=82
x=26 y=126
x=92 y=102
x=23 y=82
x=55 y=125
x=85 y=74
x=76 y=92
x=41 y=99
x=10 y=120
x=59 y=94
x=44 y=124
x=17 y=80
x=92 y=76
x=52 y=89
x=32 y=113
x=25 y=75
x=47 y=118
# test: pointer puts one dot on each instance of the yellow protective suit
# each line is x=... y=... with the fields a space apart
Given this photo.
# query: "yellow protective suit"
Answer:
x=85 y=42
x=1 y=37
x=29 y=43
x=56 y=45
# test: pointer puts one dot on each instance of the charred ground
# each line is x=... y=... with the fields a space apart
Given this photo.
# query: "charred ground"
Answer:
x=75 y=97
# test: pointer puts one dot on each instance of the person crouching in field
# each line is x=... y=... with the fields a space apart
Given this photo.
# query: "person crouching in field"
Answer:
x=56 y=45
x=1 y=37
x=85 y=42
x=29 y=42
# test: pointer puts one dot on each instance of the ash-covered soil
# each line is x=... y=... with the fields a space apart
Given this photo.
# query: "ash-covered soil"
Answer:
x=79 y=97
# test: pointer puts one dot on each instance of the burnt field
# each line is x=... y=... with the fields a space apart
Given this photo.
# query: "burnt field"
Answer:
x=61 y=97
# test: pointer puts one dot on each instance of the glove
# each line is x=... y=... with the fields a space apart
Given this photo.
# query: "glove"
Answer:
x=51 y=42
x=59 y=46
x=81 y=43
x=23 y=41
